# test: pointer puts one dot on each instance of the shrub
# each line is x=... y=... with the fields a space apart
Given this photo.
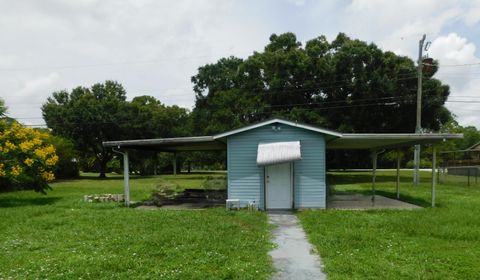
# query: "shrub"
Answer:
x=26 y=159
x=67 y=166
x=166 y=190
x=215 y=183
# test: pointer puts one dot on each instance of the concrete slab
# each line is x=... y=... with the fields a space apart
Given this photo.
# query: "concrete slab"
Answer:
x=183 y=206
x=294 y=257
x=364 y=202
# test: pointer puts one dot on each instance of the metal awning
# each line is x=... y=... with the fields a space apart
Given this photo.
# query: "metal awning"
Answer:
x=368 y=141
x=372 y=141
x=179 y=144
x=278 y=152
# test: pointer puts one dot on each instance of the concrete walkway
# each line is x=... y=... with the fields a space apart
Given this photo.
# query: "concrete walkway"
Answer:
x=364 y=202
x=294 y=257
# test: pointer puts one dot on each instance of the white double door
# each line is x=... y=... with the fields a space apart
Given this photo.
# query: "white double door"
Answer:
x=278 y=184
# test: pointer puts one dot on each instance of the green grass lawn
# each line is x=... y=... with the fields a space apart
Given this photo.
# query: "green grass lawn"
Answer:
x=58 y=236
x=431 y=243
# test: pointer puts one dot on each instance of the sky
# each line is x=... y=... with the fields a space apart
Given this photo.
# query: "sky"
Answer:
x=154 y=47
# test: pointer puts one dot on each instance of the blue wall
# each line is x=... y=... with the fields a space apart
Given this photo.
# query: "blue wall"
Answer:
x=246 y=179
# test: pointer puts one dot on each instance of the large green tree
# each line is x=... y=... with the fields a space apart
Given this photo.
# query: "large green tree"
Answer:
x=346 y=85
x=89 y=116
x=149 y=118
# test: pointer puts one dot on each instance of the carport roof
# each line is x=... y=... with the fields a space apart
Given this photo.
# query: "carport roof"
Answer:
x=179 y=144
x=373 y=141
x=334 y=140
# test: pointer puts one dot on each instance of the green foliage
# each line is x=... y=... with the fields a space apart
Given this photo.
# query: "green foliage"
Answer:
x=90 y=116
x=61 y=237
x=346 y=85
x=471 y=136
x=115 y=166
x=26 y=158
x=67 y=166
x=3 y=108
x=424 y=163
x=431 y=243
x=215 y=183
x=167 y=189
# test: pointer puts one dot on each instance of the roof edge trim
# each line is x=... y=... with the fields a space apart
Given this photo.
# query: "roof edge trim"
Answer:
x=277 y=120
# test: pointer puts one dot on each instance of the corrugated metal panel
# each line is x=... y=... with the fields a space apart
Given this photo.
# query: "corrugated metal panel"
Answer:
x=278 y=152
x=246 y=178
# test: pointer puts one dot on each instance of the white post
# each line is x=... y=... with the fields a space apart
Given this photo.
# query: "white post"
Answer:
x=434 y=174
x=398 y=174
x=416 y=165
x=174 y=163
x=126 y=178
x=374 y=174
x=418 y=125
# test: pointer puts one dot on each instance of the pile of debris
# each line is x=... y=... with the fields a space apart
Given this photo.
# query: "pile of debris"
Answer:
x=198 y=197
x=103 y=197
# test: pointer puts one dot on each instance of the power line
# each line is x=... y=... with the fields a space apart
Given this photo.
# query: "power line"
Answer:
x=149 y=61
x=453 y=65
x=387 y=98
x=391 y=103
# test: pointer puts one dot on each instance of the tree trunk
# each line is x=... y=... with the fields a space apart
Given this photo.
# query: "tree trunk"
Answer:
x=103 y=169
x=103 y=160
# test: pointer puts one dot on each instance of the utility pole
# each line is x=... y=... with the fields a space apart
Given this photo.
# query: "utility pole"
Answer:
x=418 y=127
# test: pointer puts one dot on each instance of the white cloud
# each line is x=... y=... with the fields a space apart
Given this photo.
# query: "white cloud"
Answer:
x=472 y=15
x=174 y=38
x=26 y=101
x=454 y=51
x=296 y=2
x=398 y=27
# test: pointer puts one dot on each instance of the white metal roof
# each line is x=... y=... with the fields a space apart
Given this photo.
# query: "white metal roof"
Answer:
x=334 y=140
x=387 y=140
x=278 y=152
x=475 y=147
x=197 y=143
x=272 y=121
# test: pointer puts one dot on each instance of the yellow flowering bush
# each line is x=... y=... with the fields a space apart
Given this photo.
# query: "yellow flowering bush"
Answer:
x=26 y=160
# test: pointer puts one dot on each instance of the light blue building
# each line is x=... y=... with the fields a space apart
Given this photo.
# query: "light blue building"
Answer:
x=280 y=164
x=277 y=164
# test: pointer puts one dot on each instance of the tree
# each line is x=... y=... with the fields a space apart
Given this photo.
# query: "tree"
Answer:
x=152 y=119
x=67 y=166
x=89 y=116
x=26 y=158
x=471 y=136
x=3 y=108
x=345 y=85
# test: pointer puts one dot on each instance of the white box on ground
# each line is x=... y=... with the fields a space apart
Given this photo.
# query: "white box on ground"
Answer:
x=233 y=202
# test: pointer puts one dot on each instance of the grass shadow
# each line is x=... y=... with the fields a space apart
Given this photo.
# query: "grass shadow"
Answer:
x=8 y=202
x=348 y=179
x=403 y=197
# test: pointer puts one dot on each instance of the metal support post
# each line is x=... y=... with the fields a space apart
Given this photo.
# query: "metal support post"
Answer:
x=434 y=174
x=418 y=126
x=174 y=163
x=126 y=178
x=398 y=174
x=374 y=174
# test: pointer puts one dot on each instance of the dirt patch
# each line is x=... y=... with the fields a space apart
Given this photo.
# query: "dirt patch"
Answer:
x=188 y=199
